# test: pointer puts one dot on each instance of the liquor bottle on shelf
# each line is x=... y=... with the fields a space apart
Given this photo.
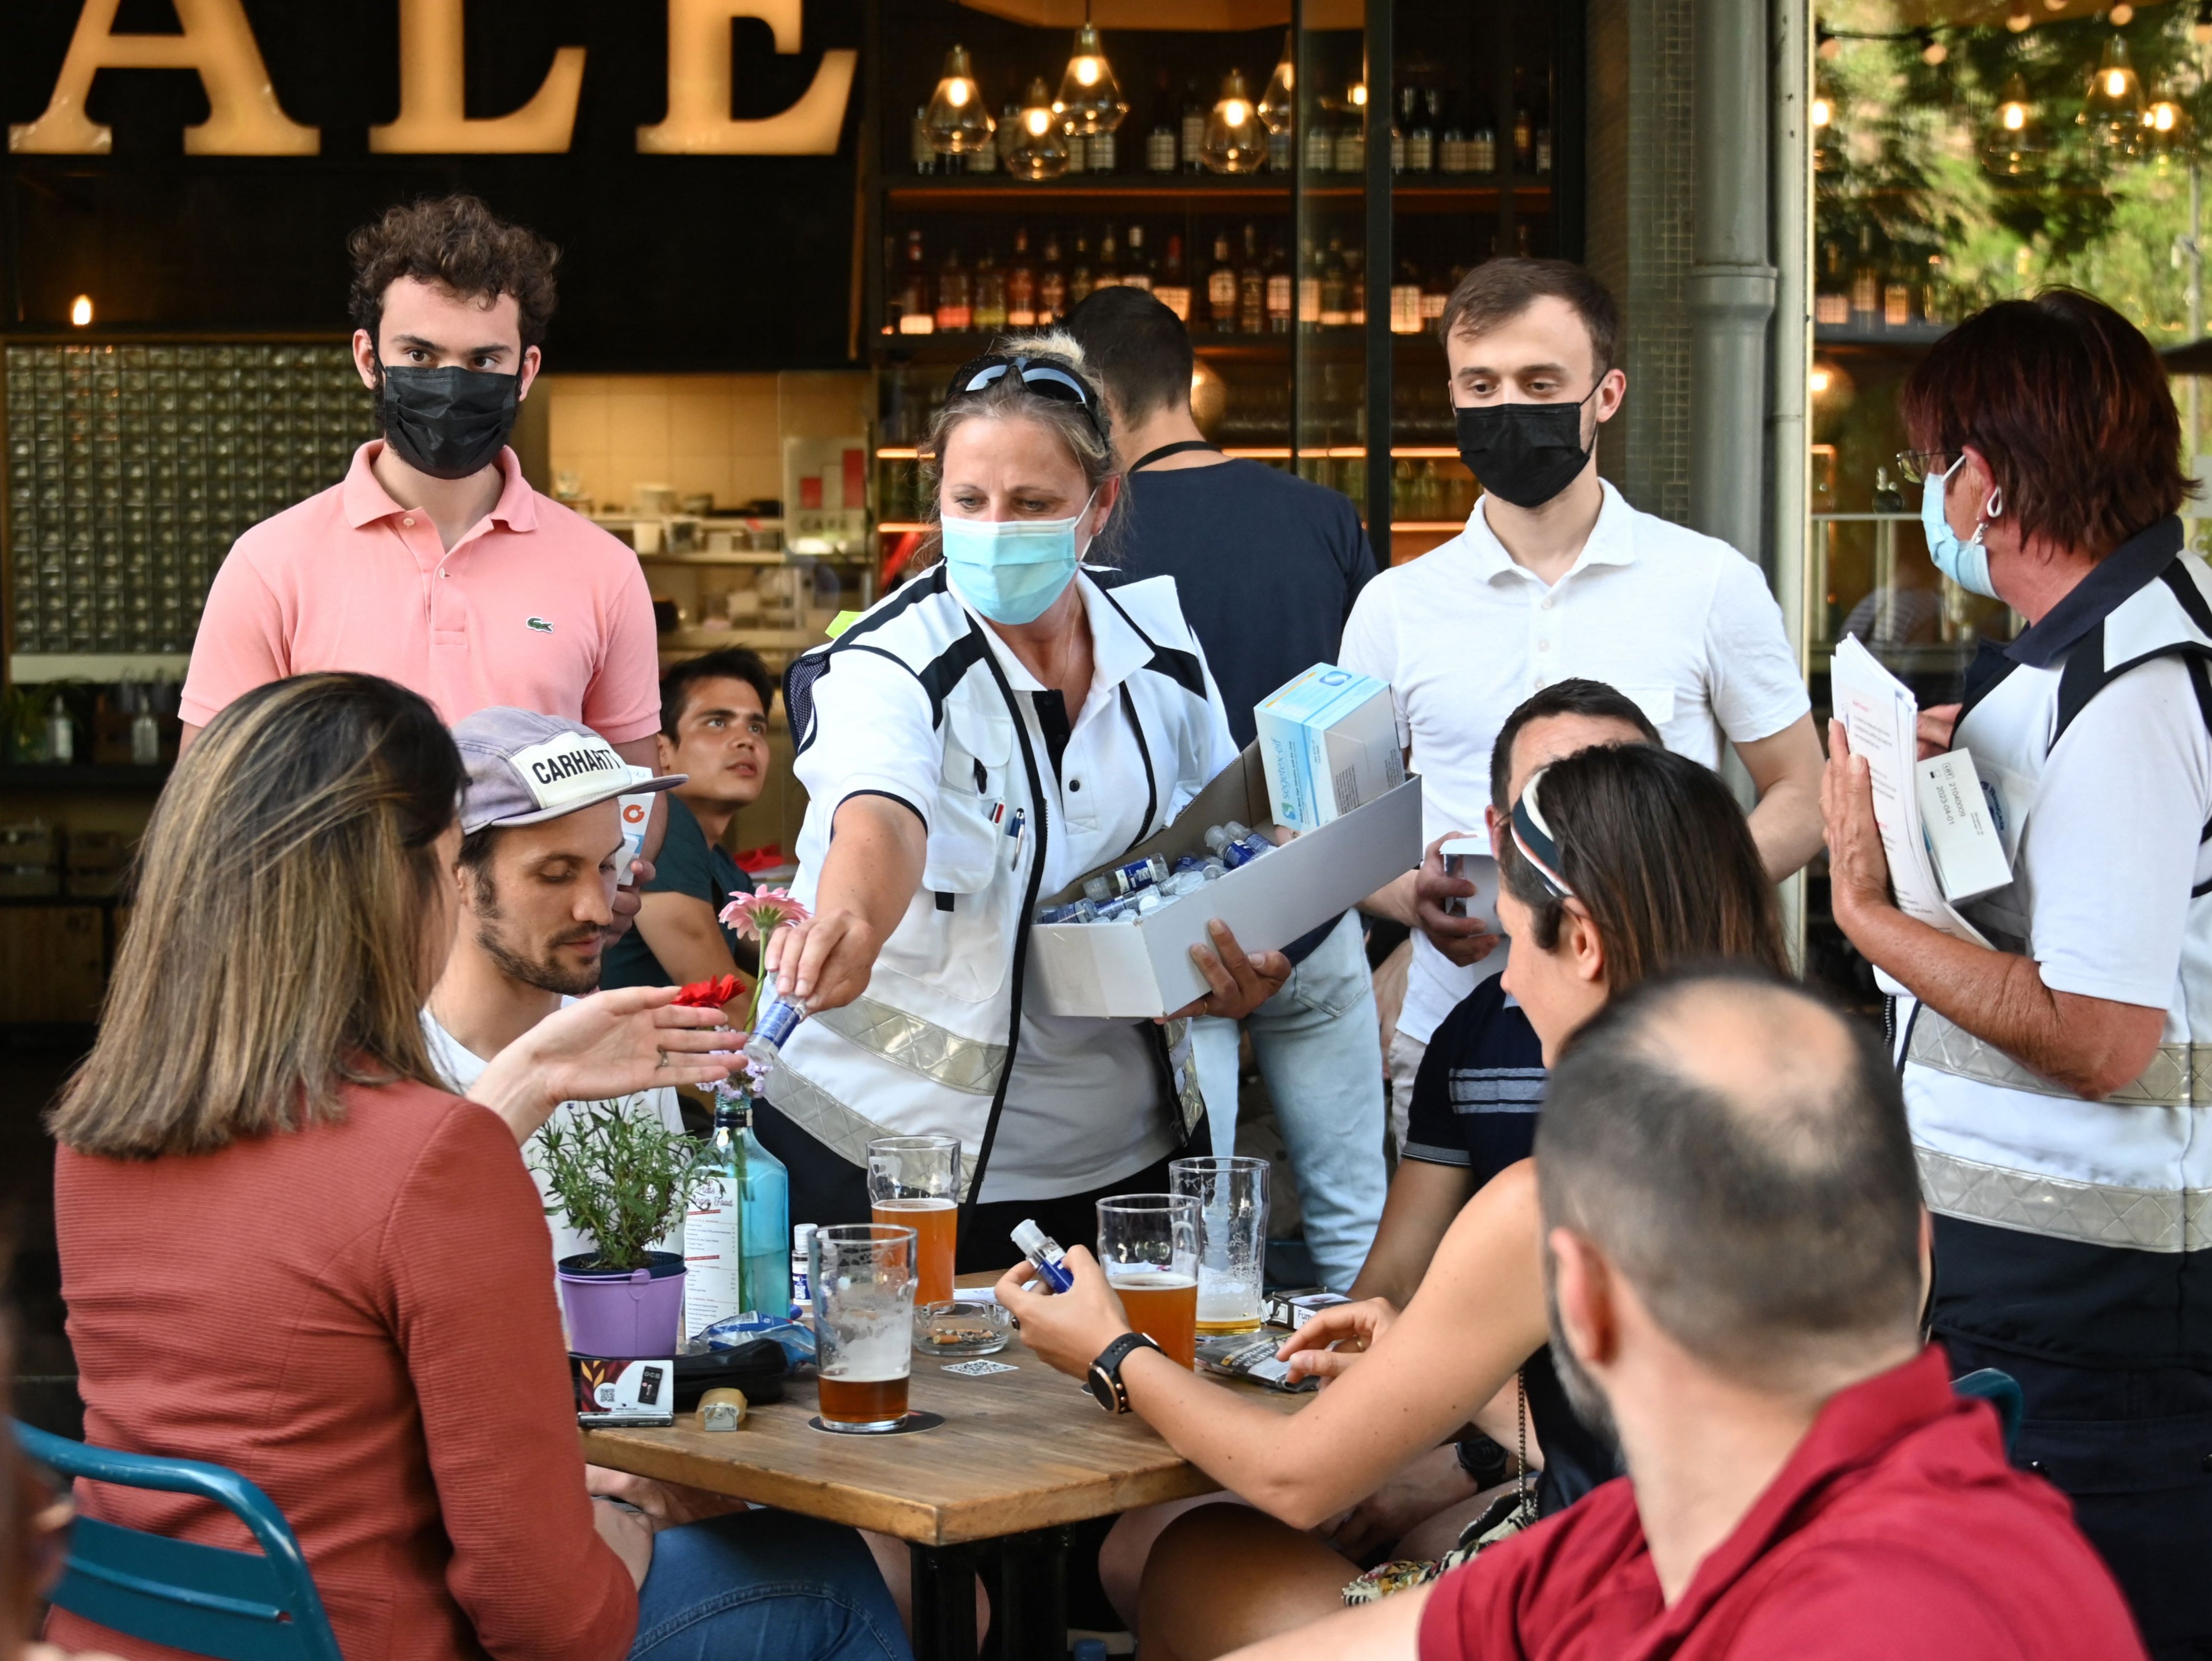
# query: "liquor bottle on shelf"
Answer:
x=1309 y=286
x=1321 y=144
x=990 y=296
x=1482 y=146
x=1137 y=268
x=1452 y=142
x=1052 y=284
x=1831 y=298
x=1406 y=300
x=1543 y=152
x=1434 y=296
x=1351 y=144
x=1021 y=284
x=956 y=309
x=1278 y=291
x=1334 y=314
x=1079 y=272
x=917 y=305
x=1524 y=141
x=1191 y=136
x=1109 y=274
x=1079 y=152
x=1397 y=145
x=1279 y=151
x=983 y=159
x=1251 y=288
x=1355 y=287
x=1172 y=286
x=1160 y=143
x=1104 y=152
x=1421 y=133
x=1009 y=131
x=921 y=151
x=1221 y=288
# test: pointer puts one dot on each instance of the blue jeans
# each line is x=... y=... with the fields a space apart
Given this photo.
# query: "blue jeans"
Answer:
x=765 y=1585
x=1319 y=1045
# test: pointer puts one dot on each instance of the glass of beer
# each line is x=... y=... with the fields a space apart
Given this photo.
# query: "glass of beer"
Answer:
x=862 y=1276
x=914 y=1182
x=1233 y=1239
x=1148 y=1247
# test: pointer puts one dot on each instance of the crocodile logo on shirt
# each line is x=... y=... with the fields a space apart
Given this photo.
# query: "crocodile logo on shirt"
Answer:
x=540 y=625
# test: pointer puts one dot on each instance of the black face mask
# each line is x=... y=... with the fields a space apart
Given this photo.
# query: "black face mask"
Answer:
x=446 y=422
x=1523 y=453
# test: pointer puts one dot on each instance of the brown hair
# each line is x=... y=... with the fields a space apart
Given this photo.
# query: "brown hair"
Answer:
x=1498 y=290
x=2071 y=406
x=1658 y=854
x=457 y=243
x=276 y=951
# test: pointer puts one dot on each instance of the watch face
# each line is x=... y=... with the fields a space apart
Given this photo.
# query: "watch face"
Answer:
x=1102 y=1388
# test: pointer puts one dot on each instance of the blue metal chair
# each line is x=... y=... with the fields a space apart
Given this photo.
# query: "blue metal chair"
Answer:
x=2001 y=1391
x=232 y=1605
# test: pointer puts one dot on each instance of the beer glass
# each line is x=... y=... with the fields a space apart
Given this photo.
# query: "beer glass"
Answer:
x=914 y=1182
x=862 y=1276
x=1148 y=1247
x=1232 y=1237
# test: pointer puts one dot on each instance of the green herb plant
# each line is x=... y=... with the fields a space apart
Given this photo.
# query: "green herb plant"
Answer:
x=620 y=1177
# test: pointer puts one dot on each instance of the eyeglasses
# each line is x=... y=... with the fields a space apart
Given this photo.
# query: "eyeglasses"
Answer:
x=1047 y=380
x=1918 y=466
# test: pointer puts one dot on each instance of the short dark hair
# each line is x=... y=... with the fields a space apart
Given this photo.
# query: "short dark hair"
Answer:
x=1657 y=852
x=457 y=243
x=1593 y=700
x=730 y=662
x=2071 y=405
x=1499 y=290
x=1137 y=346
x=1761 y=1222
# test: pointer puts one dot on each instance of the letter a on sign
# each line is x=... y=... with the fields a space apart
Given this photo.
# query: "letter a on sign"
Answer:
x=432 y=117
x=244 y=117
x=699 y=88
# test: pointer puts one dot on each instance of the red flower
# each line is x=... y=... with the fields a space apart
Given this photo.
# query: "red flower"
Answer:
x=708 y=994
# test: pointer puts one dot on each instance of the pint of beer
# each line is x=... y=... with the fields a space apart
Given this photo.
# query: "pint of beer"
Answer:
x=1148 y=1247
x=1232 y=1237
x=862 y=1276
x=914 y=1182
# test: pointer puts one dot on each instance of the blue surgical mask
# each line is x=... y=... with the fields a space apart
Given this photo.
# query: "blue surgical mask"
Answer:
x=1011 y=570
x=1965 y=563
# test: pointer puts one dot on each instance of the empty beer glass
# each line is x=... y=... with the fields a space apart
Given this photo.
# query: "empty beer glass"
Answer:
x=1148 y=1247
x=914 y=1182
x=862 y=1276
x=1232 y=1237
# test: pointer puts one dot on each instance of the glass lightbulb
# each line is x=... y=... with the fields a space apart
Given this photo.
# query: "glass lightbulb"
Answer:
x=1090 y=98
x=1037 y=147
x=2122 y=13
x=2113 y=110
x=1823 y=111
x=1356 y=95
x=80 y=311
x=1235 y=141
x=1275 y=102
x=2016 y=138
x=2014 y=116
x=957 y=122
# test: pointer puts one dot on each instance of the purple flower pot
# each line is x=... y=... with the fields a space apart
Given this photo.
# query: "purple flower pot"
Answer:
x=624 y=1313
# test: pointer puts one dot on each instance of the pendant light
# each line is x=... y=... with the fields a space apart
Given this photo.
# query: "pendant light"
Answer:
x=1090 y=98
x=957 y=122
x=2113 y=110
x=1235 y=141
x=1275 y=103
x=2016 y=141
x=2166 y=126
x=1036 y=145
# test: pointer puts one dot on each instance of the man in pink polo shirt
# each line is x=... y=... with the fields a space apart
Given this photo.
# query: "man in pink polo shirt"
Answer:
x=433 y=562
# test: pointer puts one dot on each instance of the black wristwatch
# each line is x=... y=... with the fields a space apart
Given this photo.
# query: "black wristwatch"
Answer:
x=1105 y=1379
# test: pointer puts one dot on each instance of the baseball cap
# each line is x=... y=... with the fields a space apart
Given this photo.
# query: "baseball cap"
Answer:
x=525 y=768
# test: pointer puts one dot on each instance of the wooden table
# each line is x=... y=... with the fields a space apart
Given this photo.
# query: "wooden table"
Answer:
x=1020 y=1456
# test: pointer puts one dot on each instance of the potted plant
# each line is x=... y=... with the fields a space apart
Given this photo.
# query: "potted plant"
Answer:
x=626 y=1181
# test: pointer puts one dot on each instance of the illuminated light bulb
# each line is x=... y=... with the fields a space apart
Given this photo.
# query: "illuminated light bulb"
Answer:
x=2166 y=125
x=2016 y=141
x=1037 y=147
x=1821 y=380
x=80 y=311
x=1356 y=95
x=1275 y=102
x=2012 y=116
x=955 y=122
x=1090 y=98
x=1824 y=112
x=2017 y=20
x=2122 y=14
x=2113 y=110
x=1235 y=141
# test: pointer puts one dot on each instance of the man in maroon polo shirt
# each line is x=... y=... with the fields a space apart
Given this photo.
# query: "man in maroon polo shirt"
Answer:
x=1734 y=1254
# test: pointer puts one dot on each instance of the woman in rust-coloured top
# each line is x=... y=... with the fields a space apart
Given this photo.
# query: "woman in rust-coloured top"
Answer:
x=286 y=1250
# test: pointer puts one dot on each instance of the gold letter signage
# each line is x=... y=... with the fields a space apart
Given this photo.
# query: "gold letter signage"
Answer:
x=244 y=117
x=432 y=121
x=699 y=121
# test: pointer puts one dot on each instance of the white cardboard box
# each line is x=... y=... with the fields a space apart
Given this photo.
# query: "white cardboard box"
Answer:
x=1329 y=740
x=1144 y=967
x=1954 y=818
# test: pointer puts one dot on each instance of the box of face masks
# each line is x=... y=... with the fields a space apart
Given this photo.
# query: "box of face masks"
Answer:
x=1329 y=739
x=1142 y=967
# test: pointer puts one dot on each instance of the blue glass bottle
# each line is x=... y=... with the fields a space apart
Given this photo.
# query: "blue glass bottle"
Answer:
x=764 y=1219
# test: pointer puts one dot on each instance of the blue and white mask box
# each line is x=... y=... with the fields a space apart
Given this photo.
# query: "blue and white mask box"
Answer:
x=1329 y=740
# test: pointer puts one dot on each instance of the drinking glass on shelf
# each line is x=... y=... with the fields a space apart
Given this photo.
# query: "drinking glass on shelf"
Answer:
x=861 y=1275
x=1232 y=1237
x=914 y=1182
x=1148 y=1247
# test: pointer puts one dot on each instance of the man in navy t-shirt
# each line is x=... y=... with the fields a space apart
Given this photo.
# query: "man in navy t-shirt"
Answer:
x=1267 y=565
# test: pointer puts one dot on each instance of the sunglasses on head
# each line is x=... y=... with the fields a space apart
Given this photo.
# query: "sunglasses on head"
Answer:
x=1047 y=380
x=1533 y=839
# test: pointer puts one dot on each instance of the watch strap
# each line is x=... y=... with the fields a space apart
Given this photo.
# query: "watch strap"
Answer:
x=1107 y=1369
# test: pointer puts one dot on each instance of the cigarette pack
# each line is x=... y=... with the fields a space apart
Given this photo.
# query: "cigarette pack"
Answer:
x=611 y=1390
x=1329 y=740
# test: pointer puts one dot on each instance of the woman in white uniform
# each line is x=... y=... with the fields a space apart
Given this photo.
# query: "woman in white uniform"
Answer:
x=1009 y=720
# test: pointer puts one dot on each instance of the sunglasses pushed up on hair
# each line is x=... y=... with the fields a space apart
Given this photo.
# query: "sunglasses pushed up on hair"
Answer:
x=1047 y=380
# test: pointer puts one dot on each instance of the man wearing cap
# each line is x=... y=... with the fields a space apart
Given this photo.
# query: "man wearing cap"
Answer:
x=541 y=846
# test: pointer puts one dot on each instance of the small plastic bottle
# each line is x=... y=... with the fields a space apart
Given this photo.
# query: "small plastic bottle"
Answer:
x=1126 y=879
x=1043 y=1251
x=1081 y=911
x=802 y=1295
x=777 y=1023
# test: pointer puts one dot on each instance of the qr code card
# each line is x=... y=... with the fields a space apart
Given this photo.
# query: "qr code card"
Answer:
x=980 y=1369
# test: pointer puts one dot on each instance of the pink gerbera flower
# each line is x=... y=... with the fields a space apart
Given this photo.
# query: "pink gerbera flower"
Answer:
x=756 y=915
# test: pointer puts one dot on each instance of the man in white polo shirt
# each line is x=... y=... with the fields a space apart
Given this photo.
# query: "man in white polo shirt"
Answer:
x=1556 y=575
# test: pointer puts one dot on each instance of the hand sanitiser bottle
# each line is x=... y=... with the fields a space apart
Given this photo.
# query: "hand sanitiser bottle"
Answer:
x=1043 y=1251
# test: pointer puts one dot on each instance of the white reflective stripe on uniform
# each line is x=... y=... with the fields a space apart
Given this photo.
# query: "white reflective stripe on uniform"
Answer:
x=2178 y=1076
x=2096 y=1213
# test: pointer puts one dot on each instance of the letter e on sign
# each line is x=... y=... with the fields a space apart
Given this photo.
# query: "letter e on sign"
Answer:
x=699 y=122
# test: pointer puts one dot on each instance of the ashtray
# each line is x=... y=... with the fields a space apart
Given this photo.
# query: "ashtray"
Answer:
x=961 y=1328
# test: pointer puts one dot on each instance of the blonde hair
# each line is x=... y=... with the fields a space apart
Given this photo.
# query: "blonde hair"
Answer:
x=275 y=952
x=1090 y=444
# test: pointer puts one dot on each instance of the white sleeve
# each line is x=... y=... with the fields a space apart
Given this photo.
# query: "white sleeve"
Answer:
x=2109 y=847
x=1371 y=645
x=1220 y=743
x=1756 y=685
x=872 y=734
